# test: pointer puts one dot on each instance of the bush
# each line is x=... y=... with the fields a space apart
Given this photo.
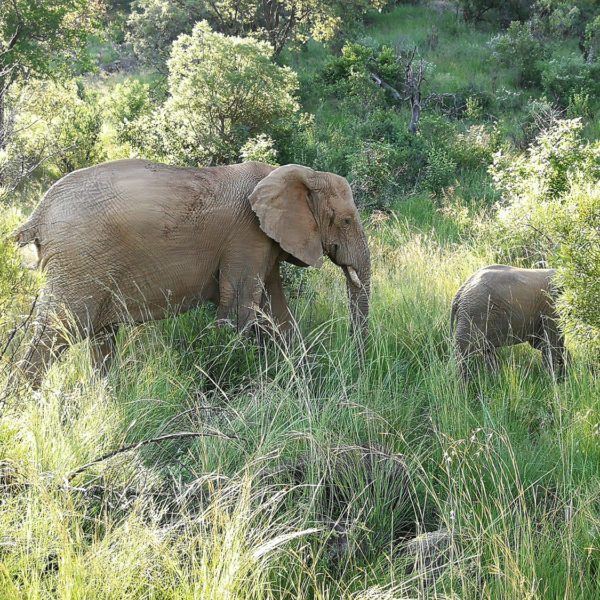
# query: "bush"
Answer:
x=555 y=19
x=56 y=127
x=503 y=11
x=440 y=170
x=564 y=77
x=375 y=169
x=357 y=57
x=128 y=102
x=579 y=106
x=222 y=91
x=578 y=257
x=550 y=213
x=153 y=25
x=520 y=50
x=475 y=147
x=540 y=115
x=260 y=148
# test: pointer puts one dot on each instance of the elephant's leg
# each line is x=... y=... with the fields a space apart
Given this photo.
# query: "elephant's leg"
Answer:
x=104 y=346
x=242 y=284
x=463 y=349
x=555 y=357
x=239 y=300
x=58 y=322
x=275 y=301
x=551 y=342
x=49 y=340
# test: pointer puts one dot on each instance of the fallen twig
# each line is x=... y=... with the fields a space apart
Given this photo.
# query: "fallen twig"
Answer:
x=161 y=438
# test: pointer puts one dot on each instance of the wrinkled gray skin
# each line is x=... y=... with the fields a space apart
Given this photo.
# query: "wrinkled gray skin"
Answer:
x=134 y=240
x=502 y=305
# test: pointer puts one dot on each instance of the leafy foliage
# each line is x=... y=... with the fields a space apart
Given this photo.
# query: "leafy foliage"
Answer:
x=564 y=77
x=578 y=228
x=128 y=102
x=260 y=148
x=155 y=24
x=39 y=38
x=222 y=91
x=520 y=50
x=287 y=20
x=56 y=128
x=551 y=213
x=503 y=10
x=592 y=38
x=375 y=172
x=555 y=19
x=357 y=58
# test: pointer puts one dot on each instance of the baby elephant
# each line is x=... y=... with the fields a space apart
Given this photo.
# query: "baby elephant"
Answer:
x=501 y=305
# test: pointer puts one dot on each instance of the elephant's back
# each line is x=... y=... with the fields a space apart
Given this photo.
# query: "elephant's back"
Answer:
x=501 y=278
x=501 y=296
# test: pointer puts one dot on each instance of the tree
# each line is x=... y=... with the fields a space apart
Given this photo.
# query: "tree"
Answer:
x=155 y=24
x=519 y=49
x=222 y=91
x=56 y=129
x=280 y=21
x=40 y=38
x=502 y=10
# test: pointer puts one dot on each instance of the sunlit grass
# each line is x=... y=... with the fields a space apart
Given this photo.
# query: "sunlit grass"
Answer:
x=276 y=499
x=308 y=475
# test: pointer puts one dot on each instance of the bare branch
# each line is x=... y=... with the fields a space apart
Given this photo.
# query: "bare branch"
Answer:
x=381 y=83
x=161 y=438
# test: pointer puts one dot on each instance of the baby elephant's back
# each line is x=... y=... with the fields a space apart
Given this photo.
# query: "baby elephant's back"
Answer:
x=505 y=301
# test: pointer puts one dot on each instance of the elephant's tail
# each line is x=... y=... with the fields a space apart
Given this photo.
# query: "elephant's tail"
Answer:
x=28 y=233
x=453 y=312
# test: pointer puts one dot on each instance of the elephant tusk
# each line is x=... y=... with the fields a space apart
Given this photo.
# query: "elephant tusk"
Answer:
x=354 y=277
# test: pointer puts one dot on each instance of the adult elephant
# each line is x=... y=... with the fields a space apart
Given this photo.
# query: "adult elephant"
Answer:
x=134 y=239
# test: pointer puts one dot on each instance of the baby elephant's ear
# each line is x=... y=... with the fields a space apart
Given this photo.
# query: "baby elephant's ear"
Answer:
x=284 y=202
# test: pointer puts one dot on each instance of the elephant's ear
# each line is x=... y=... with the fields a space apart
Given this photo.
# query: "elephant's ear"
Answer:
x=284 y=207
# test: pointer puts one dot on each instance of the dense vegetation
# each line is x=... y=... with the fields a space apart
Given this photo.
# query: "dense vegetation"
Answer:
x=301 y=475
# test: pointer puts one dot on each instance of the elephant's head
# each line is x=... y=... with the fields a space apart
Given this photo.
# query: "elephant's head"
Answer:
x=311 y=213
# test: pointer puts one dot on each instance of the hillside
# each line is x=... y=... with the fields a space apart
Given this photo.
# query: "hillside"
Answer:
x=302 y=472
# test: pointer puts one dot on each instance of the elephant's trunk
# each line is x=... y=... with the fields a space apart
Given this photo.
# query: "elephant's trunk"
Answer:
x=358 y=283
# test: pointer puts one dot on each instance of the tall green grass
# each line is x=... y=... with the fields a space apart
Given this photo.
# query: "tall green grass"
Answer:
x=311 y=474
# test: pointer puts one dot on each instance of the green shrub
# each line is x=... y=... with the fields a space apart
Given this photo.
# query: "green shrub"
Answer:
x=18 y=287
x=592 y=39
x=153 y=25
x=578 y=257
x=495 y=10
x=128 y=102
x=539 y=115
x=520 y=50
x=474 y=148
x=550 y=213
x=357 y=62
x=440 y=170
x=222 y=91
x=355 y=57
x=579 y=106
x=56 y=126
x=375 y=169
x=555 y=19
x=569 y=75
x=260 y=148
